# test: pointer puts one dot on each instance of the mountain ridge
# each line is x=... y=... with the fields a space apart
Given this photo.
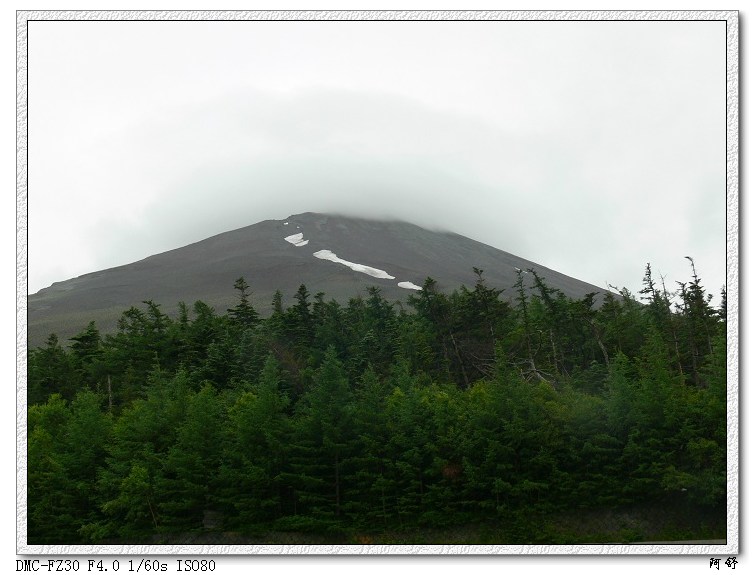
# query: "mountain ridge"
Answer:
x=271 y=256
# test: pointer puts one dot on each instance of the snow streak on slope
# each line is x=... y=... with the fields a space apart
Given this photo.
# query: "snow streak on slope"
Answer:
x=297 y=239
x=374 y=272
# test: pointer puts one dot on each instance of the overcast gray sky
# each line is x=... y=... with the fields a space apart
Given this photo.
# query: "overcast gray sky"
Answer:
x=589 y=147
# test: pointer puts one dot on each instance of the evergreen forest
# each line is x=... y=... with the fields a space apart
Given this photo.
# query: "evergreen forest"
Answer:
x=479 y=416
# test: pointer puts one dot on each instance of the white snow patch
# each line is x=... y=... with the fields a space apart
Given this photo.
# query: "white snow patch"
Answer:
x=297 y=239
x=408 y=285
x=374 y=272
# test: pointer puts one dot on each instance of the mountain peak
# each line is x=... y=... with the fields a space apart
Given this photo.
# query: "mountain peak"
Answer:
x=338 y=255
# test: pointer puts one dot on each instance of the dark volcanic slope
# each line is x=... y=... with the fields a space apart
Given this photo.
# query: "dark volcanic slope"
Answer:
x=208 y=269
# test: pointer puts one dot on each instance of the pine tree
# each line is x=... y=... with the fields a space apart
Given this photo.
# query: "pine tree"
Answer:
x=49 y=489
x=86 y=352
x=128 y=486
x=50 y=371
x=188 y=478
x=243 y=314
x=250 y=485
x=323 y=439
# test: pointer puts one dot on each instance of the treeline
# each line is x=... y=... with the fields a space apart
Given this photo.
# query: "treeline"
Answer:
x=368 y=416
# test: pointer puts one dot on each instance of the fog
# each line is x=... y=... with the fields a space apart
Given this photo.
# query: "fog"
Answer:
x=590 y=147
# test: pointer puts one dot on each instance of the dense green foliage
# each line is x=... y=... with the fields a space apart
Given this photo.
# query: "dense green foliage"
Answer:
x=369 y=417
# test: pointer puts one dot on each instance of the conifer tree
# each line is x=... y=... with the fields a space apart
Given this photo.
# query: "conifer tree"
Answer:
x=250 y=485
x=50 y=491
x=188 y=478
x=243 y=314
x=323 y=438
x=50 y=371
